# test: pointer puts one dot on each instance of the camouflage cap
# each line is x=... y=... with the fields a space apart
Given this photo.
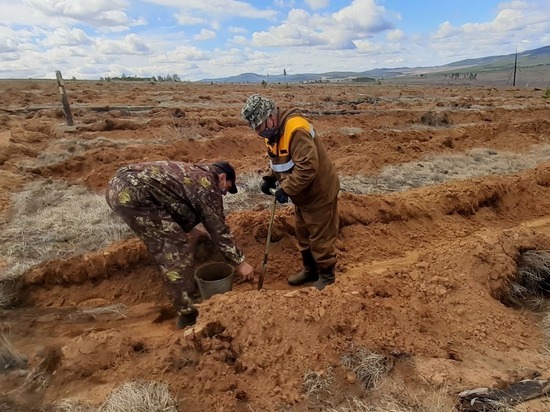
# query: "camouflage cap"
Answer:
x=256 y=110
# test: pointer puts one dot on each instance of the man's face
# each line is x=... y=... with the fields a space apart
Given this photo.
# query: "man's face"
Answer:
x=224 y=184
x=268 y=123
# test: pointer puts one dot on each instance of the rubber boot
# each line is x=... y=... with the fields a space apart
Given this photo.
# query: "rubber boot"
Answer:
x=310 y=273
x=187 y=312
x=187 y=317
x=326 y=277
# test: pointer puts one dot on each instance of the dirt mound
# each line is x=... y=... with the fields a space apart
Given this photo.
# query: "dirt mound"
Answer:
x=245 y=350
x=255 y=347
x=12 y=152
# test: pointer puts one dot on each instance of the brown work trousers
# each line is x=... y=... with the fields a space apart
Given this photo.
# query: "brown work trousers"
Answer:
x=317 y=229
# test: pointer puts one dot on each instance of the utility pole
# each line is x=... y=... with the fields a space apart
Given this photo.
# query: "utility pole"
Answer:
x=515 y=68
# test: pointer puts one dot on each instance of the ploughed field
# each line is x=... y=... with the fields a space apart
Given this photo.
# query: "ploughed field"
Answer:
x=445 y=197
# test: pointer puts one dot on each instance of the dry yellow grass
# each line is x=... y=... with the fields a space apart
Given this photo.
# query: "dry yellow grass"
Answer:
x=531 y=286
x=137 y=396
x=9 y=357
x=52 y=220
x=315 y=383
x=368 y=366
x=433 y=170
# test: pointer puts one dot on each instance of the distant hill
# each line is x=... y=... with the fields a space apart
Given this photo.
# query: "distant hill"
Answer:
x=536 y=57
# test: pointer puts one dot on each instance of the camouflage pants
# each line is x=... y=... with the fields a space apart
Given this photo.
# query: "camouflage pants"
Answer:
x=164 y=238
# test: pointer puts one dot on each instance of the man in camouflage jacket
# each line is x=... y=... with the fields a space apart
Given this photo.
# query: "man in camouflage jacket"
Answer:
x=163 y=202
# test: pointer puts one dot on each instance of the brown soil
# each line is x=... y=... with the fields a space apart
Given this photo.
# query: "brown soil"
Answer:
x=419 y=278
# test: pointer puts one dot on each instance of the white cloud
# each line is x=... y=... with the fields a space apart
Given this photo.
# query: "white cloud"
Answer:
x=101 y=14
x=66 y=37
x=233 y=29
x=6 y=57
x=285 y=3
x=205 y=35
x=187 y=20
x=365 y=46
x=444 y=31
x=8 y=46
x=359 y=20
x=516 y=22
x=363 y=15
x=294 y=32
x=395 y=36
x=131 y=44
x=317 y=4
x=239 y=40
x=182 y=53
x=19 y=13
x=21 y=39
x=218 y=8
x=229 y=57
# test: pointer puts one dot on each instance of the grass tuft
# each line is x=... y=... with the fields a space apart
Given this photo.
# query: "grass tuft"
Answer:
x=9 y=358
x=351 y=131
x=8 y=286
x=137 y=396
x=314 y=383
x=435 y=119
x=426 y=401
x=531 y=286
x=354 y=404
x=72 y=405
x=117 y=309
x=369 y=367
x=140 y=396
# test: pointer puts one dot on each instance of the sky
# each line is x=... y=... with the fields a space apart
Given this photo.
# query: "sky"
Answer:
x=203 y=39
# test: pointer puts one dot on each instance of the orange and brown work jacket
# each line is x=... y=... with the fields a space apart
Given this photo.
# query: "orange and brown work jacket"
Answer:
x=300 y=162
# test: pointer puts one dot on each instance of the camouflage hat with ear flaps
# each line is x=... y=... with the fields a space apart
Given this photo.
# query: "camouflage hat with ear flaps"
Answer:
x=256 y=110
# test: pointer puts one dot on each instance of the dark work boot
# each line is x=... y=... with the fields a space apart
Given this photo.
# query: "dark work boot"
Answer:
x=187 y=312
x=326 y=277
x=187 y=317
x=310 y=273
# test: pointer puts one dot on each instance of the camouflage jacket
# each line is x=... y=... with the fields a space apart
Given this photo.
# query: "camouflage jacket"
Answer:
x=190 y=194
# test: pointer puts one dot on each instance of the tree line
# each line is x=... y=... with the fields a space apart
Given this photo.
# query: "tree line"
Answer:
x=159 y=78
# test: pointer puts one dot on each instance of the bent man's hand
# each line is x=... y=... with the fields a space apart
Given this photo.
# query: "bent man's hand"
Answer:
x=245 y=272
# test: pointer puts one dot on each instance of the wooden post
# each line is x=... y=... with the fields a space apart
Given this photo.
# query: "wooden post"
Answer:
x=64 y=99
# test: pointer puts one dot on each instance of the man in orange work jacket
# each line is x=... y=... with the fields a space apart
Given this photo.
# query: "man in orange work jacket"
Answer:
x=300 y=164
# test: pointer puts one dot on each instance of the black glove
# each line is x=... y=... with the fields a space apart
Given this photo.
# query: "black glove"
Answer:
x=267 y=185
x=281 y=196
